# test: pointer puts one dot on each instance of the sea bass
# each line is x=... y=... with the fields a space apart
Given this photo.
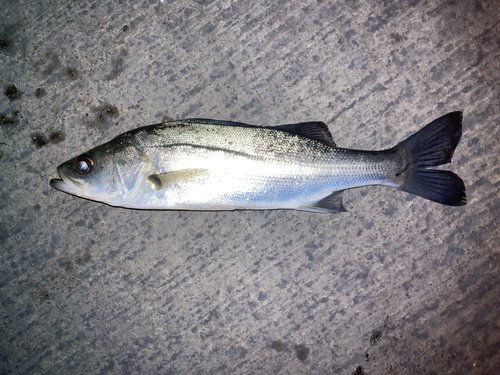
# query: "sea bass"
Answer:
x=200 y=164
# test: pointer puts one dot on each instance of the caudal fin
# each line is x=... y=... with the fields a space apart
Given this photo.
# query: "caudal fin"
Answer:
x=429 y=147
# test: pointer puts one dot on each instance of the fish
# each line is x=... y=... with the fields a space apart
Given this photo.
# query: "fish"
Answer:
x=201 y=164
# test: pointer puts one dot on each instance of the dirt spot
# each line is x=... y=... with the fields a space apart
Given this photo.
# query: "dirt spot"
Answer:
x=84 y=259
x=6 y=120
x=40 y=92
x=102 y=116
x=38 y=140
x=396 y=37
x=57 y=137
x=12 y=92
x=279 y=346
x=73 y=74
x=11 y=119
x=302 y=352
x=375 y=336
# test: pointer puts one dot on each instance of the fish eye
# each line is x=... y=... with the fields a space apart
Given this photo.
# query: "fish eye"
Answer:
x=84 y=164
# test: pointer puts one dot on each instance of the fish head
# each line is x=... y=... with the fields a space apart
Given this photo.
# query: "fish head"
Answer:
x=113 y=173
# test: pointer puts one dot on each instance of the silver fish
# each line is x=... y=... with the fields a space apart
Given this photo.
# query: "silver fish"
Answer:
x=202 y=164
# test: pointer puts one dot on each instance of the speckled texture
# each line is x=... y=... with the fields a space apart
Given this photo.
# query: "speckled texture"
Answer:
x=397 y=285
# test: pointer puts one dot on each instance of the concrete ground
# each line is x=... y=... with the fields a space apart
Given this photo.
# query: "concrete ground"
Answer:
x=396 y=285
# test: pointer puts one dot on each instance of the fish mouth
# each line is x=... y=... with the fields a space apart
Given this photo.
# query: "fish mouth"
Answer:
x=59 y=184
x=65 y=184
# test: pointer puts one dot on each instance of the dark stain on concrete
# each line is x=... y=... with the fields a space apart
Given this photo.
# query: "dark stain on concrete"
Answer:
x=4 y=44
x=39 y=140
x=12 y=93
x=102 y=116
x=279 y=346
x=302 y=352
x=375 y=336
x=40 y=92
x=57 y=137
x=73 y=74
x=6 y=120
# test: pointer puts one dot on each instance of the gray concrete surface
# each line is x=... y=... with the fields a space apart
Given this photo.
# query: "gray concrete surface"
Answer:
x=397 y=285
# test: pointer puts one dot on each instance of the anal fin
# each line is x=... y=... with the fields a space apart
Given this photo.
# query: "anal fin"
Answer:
x=331 y=203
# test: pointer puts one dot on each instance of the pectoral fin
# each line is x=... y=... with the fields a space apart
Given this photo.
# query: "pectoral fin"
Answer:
x=183 y=176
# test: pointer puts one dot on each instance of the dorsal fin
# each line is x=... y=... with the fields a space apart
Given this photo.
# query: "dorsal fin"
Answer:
x=316 y=130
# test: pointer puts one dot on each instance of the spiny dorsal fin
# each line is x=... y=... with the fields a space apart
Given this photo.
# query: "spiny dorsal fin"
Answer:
x=316 y=130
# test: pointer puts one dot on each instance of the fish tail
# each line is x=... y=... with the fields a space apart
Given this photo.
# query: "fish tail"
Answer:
x=432 y=146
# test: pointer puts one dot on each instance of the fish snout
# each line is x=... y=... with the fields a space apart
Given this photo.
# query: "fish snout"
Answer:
x=65 y=183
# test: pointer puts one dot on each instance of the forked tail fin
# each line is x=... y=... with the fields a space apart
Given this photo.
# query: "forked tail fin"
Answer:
x=429 y=147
